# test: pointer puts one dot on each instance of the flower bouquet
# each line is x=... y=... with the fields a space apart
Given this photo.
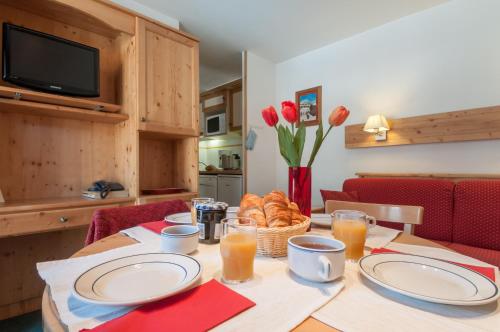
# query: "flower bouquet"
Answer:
x=291 y=141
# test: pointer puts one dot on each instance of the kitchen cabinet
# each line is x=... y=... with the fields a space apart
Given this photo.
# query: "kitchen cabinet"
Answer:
x=229 y=189
x=208 y=186
x=236 y=110
x=168 y=80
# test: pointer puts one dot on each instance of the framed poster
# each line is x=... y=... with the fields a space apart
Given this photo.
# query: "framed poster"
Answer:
x=309 y=106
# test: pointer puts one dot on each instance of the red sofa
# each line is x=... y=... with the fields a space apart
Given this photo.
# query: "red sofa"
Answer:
x=464 y=216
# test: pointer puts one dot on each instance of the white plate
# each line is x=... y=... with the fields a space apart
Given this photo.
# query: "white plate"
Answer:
x=137 y=279
x=429 y=279
x=321 y=219
x=179 y=218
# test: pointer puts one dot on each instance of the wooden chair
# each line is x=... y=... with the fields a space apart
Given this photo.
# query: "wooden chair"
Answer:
x=407 y=214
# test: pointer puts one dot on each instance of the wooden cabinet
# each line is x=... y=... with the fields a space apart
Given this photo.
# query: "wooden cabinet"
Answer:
x=16 y=224
x=228 y=99
x=168 y=80
x=236 y=110
x=141 y=132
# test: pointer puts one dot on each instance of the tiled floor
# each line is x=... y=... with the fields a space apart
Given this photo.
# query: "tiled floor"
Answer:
x=31 y=322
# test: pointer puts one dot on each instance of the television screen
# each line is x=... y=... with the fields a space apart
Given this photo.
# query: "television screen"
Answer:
x=44 y=62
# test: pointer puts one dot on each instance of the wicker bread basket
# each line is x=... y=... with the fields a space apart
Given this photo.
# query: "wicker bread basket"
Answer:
x=273 y=241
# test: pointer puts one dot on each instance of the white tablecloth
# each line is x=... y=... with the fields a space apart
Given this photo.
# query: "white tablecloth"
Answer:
x=282 y=299
x=365 y=306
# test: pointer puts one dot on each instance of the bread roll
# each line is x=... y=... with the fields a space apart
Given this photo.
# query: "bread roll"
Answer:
x=276 y=209
x=297 y=217
x=251 y=207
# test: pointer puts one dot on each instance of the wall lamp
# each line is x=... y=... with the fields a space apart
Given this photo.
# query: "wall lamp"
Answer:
x=377 y=124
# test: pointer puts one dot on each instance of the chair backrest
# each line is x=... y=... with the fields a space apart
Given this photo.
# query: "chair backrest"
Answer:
x=106 y=222
x=405 y=214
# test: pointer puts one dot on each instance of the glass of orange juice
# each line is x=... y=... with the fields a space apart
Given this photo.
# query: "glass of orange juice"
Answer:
x=350 y=227
x=238 y=246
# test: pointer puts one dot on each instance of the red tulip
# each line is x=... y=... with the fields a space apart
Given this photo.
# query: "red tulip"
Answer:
x=289 y=111
x=338 y=116
x=270 y=116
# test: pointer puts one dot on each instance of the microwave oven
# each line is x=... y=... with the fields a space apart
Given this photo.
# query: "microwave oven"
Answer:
x=215 y=124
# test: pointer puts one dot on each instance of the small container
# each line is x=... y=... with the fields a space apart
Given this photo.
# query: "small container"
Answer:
x=209 y=216
x=180 y=239
x=196 y=201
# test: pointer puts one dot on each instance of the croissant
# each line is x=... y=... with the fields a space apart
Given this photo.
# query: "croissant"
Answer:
x=276 y=209
x=251 y=206
x=297 y=217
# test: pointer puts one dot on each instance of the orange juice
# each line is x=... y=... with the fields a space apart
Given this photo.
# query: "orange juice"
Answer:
x=238 y=252
x=353 y=234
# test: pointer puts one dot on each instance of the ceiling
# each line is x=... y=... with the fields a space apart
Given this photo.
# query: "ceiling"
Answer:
x=277 y=29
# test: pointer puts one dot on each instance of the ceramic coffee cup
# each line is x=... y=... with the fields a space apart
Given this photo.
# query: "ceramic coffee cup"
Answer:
x=180 y=239
x=316 y=258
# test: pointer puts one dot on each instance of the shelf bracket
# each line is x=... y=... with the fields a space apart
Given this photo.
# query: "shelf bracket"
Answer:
x=18 y=95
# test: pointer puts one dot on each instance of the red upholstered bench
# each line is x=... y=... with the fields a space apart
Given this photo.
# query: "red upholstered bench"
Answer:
x=464 y=216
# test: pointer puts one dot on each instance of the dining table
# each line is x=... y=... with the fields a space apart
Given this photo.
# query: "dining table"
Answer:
x=52 y=323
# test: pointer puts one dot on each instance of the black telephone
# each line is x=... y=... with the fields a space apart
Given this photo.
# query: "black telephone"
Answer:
x=105 y=187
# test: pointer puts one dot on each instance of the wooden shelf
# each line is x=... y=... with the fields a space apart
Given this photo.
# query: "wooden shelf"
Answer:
x=56 y=203
x=151 y=130
x=34 y=108
x=186 y=196
x=53 y=99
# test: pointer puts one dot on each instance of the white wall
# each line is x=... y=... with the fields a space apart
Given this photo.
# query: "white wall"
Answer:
x=260 y=89
x=149 y=12
x=443 y=59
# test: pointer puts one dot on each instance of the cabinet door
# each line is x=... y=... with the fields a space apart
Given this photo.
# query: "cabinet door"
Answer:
x=229 y=189
x=168 y=80
x=208 y=186
x=236 y=110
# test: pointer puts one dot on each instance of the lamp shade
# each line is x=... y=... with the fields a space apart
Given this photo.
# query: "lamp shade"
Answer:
x=376 y=123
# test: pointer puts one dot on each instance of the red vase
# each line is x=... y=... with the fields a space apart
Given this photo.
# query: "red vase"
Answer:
x=299 y=188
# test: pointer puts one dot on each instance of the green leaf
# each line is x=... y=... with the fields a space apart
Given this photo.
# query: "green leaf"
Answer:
x=282 y=143
x=290 y=148
x=317 y=144
x=299 y=141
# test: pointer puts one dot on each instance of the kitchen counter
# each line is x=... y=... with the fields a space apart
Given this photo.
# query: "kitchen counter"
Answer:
x=223 y=172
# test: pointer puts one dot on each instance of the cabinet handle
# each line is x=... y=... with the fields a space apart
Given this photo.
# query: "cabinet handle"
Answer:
x=63 y=219
x=143 y=119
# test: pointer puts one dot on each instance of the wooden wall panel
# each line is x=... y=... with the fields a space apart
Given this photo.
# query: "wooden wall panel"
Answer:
x=109 y=53
x=467 y=125
x=156 y=163
x=48 y=157
x=19 y=280
x=127 y=138
x=186 y=160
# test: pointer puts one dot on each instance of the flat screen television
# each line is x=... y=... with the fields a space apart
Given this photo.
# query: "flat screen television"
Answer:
x=48 y=63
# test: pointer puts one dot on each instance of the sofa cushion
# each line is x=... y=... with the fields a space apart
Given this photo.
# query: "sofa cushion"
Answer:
x=486 y=255
x=435 y=196
x=332 y=195
x=477 y=214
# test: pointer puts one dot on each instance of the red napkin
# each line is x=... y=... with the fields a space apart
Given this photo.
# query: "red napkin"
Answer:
x=199 y=309
x=488 y=272
x=156 y=226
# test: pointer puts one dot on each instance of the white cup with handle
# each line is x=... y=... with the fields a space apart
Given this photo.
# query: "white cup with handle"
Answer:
x=316 y=258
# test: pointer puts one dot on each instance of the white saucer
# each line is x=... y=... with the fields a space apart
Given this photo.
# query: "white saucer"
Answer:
x=179 y=218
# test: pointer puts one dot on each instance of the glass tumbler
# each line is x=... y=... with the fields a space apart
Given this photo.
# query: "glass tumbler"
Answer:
x=350 y=227
x=238 y=246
